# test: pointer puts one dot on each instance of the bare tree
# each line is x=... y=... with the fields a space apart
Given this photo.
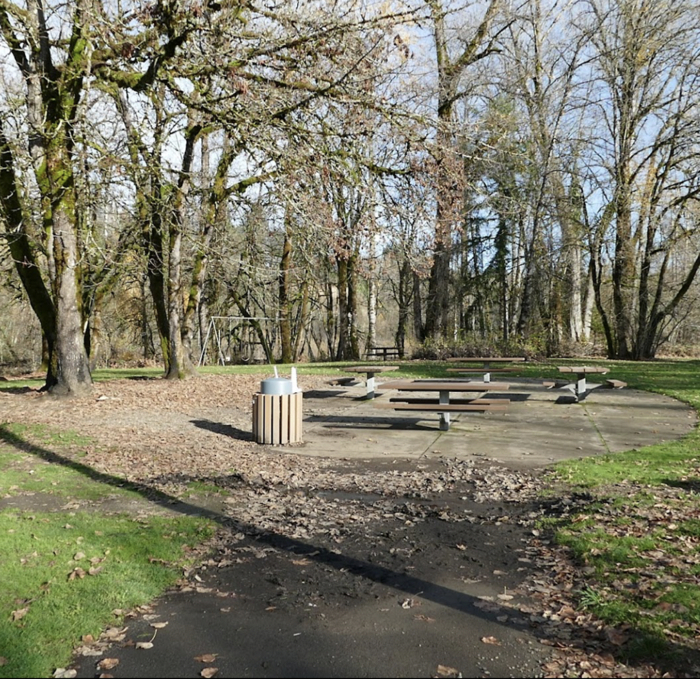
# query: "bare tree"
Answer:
x=454 y=56
x=646 y=62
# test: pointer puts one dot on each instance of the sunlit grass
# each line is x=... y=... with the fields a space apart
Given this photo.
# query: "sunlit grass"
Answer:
x=50 y=599
x=642 y=555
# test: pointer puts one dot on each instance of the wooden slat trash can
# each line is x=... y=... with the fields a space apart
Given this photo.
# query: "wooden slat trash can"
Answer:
x=277 y=418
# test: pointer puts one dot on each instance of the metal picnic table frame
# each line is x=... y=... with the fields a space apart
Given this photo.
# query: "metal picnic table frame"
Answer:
x=581 y=389
x=370 y=371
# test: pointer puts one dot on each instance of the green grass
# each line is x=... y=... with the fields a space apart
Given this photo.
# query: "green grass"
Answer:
x=641 y=541
x=46 y=605
x=25 y=470
x=54 y=608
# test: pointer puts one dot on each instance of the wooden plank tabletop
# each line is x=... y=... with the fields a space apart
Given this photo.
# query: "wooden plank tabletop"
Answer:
x=370 y=368
x=443 y=385
x=583 y=369
x=485 y=359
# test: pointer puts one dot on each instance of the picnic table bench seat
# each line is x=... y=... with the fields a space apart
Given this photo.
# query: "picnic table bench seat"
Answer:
x=554 y=384
x=496 y=364
x=469 y=369
x=616 y=384
x=457 y=401
x=371 y=371
x=444 y=407
x=487 y=360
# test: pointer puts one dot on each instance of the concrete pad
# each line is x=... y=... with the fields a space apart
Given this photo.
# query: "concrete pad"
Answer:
x=540 y=427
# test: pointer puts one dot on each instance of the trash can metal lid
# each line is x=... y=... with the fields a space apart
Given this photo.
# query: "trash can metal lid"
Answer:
x=276 y=385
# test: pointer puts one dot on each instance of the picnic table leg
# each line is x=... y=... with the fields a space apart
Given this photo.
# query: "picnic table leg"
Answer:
x=581 y=386
x=370 y=385
x=444 y=417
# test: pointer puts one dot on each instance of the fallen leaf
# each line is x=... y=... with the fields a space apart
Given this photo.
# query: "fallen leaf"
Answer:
x=445 y=671
x=63 y=673
x=19 y=613
x=616 y=638
x=208 y=672
x=424 y=618
x=107 y=663
x=145 y=645
x=76 y=573
x=491 y=640
x=207 y=657
x=113 y=633
x=159 y=625
x=3 y=661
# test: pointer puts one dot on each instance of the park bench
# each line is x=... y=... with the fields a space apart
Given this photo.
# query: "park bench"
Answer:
x=383 y=352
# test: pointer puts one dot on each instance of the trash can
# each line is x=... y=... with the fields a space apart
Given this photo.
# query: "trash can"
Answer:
x=277 y=412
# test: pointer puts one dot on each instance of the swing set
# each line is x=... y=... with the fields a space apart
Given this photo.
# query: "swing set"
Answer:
x=235 y=339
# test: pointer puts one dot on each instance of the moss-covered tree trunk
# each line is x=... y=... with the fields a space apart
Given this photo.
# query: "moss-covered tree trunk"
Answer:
x=52 y=98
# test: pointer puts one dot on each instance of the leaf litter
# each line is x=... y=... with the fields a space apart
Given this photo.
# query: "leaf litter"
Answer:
x=189 y=439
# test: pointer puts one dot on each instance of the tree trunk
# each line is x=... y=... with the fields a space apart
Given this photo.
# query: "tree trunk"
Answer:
x=72 y=370
x=623 y=275
x=372 y=296
x=353 y=307
x=343 y=350
x=403 y=299
x=418 y=329
x=285 y=321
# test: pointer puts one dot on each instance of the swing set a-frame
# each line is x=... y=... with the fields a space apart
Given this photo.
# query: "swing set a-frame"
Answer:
x=237 y=339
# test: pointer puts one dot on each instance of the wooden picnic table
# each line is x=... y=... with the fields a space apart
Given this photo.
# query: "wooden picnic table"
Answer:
x=371 y=371
x=383 y=352
x=444 y=404
x=580 y=388
x=486 y=365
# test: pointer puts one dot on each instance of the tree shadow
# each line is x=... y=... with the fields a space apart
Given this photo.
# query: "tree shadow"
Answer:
x=19 y=390
x=691 y=485
x=323 y=393
x=368 y=422
x=224 y=429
